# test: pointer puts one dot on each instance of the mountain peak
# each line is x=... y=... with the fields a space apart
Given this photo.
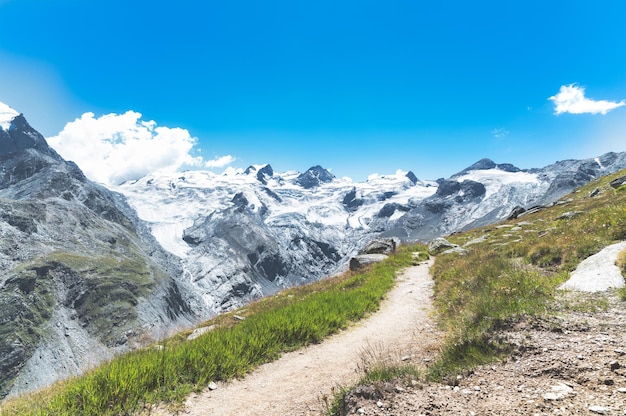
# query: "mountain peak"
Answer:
x=483 y=164
x=19 y=135
x=7 y=114
x=263 y=172
x=412 y=177
x=488 y=164
x=314 y=176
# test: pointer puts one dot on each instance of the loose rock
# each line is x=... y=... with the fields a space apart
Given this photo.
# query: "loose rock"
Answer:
x=439 y=245
x=363 y=260
x=599 y=409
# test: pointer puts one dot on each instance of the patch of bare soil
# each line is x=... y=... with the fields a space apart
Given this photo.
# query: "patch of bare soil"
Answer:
x=570 y=363
x=303 y=382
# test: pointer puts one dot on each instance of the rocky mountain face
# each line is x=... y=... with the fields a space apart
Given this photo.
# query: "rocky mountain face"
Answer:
x=247 y=234
x=486 y=192
x=81 y=277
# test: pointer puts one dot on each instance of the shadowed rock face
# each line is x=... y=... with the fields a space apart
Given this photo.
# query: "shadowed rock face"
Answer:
x=314 y=177
x=21 y=136
x=260 y=259
x=80 y=276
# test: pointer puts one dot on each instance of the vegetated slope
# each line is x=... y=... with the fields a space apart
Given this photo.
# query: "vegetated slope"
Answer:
x=245 y=234
x=80 y=276
x=502 y=280
x=487 y=192
x=232 y=345
x=513 y=268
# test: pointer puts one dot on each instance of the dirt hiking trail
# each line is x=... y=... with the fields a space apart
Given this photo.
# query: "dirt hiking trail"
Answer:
x=300 y=382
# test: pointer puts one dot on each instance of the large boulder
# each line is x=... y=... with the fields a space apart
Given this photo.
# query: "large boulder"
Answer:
x=616 y=183
x=381 y=246
x=363 y=260
x=439 y=245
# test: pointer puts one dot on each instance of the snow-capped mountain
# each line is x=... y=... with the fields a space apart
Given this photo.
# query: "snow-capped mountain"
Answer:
x=246 y=234
x=487 y=192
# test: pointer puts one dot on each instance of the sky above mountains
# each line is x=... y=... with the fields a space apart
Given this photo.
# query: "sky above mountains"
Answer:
x=359 y=87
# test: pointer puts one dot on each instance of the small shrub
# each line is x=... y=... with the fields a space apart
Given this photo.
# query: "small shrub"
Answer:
x=621 y=263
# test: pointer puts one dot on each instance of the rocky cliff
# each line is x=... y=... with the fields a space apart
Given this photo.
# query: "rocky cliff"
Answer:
x=80 y=276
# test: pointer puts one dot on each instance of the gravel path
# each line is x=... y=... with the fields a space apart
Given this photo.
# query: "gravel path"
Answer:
x=299 y=382
x=570 y=362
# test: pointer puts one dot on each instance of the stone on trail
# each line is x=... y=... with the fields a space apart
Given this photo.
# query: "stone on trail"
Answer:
x=559 y=392
x=601 y=410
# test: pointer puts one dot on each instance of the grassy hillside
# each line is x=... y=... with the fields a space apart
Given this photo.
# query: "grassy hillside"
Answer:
x=509 y=271
x=239 y=342
x=513 y=268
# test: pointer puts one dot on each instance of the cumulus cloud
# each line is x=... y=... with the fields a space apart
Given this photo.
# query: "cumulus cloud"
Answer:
x=571 y=99
x=219 y=162
x=115 y=148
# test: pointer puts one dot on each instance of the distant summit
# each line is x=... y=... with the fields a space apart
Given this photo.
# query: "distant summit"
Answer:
x=263 y=172
x=488 y=164
x=412 y=177
x=314 y=177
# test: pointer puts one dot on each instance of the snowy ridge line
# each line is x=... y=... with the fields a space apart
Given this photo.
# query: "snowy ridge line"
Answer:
x=186 y=197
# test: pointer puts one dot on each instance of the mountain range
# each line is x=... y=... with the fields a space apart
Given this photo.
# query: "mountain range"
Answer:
x=88 y=271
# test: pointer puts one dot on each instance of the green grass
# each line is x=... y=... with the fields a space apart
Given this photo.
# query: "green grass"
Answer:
x=515 y=274
x=285 y=322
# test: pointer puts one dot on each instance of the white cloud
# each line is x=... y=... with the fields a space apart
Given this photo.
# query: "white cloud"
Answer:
x=571 y=99
x=499 y=133
x=118 y=147
x=219 y=162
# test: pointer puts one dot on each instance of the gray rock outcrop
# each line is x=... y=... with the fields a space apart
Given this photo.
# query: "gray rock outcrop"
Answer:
x=616 y=183
x=381 y=246
x=439 y=245
x=81 y=278
x=362 y=260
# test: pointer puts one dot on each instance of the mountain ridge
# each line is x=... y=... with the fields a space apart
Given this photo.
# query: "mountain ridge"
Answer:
x=312 y=226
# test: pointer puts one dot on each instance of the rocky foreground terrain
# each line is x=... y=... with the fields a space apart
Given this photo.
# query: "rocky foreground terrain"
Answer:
x=572 y=363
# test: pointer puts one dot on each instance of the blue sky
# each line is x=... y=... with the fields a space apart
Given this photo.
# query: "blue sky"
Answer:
x=357 y=86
